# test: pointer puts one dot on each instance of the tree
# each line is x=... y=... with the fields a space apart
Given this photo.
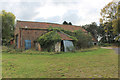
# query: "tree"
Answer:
x=70 y=23
x=108 y=20
x=84 y=40
x=65 y=23
x=93 y=29
x=116 y=22
x=101 y=33
x=8 y=21
x=108 y=13
x=116 y=26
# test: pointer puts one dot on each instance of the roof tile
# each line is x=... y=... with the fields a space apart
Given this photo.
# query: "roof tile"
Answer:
x=44 y=25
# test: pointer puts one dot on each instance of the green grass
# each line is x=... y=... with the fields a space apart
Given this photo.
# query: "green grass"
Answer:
x=96 y=63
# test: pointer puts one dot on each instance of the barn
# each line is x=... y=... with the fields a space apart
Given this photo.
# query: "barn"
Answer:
x=26 y=33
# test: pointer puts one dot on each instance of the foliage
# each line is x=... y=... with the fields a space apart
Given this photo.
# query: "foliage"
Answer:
x=110 y=20
x=95 y=30
x=67 y=32
x=105 y=44
x=66 y=23
x=8 y=22
x=49 y=39
x=10 y=50
x=109 y=32
x=81 y=39
x=84 y=39
x=117 y=38
x=70 y=23
x=100 y=32
x=108 y=12
x=116 y=22
x=116 y=26
x=54 y=29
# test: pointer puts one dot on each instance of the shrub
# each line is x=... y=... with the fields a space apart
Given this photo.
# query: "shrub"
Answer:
x=105 y=44
x=84 y=39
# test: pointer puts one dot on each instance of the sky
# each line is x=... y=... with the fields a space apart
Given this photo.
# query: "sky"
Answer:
x=78 y=12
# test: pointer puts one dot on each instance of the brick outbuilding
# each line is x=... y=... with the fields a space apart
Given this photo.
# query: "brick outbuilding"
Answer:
x=26 y=31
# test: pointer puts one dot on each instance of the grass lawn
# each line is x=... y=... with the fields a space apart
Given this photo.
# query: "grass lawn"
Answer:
x=97 y=63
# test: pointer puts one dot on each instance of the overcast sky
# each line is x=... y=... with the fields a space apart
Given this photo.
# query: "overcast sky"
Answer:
x=79 y=12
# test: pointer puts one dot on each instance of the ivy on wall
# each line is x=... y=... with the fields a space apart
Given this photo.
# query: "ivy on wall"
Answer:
x=48 y=40
x=67 y=32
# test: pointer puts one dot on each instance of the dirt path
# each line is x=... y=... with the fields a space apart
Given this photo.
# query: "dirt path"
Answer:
x=107 y=47
x=117 y=49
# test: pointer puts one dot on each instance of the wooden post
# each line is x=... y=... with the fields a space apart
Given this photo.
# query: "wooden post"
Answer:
x=39 y=47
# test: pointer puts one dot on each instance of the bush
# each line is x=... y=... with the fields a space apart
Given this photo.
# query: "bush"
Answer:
x=9 y=49
x=117 y=44
x=105 y=44
x=84 y=39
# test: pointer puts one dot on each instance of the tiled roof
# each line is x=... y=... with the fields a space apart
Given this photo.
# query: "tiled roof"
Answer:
x=64 y=36
x=44 y=25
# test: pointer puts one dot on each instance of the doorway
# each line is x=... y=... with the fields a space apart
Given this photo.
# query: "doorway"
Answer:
x=27 y=44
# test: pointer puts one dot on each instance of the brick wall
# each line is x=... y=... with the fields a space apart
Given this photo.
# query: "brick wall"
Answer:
x=30 y=34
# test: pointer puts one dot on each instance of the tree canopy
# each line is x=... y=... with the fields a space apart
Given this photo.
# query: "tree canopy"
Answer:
x=8 y=22
x=110 y=20
x=116 y=22
x=93 y=29
x=66 y=23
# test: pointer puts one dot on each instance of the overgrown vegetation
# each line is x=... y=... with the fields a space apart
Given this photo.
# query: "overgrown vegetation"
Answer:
x=80 y=38
x=11 y=50
x=84 y=39
x=48 y=40
x=95 y=30
x=106 y=44
x=8 y=22
x=110 y=21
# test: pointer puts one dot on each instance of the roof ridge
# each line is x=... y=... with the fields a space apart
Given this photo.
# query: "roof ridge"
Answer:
x=46 y=23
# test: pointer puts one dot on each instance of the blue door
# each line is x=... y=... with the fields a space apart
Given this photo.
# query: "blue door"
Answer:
x=27 y=44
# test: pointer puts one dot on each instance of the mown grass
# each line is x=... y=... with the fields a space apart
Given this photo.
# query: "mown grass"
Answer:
x=92 y=63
